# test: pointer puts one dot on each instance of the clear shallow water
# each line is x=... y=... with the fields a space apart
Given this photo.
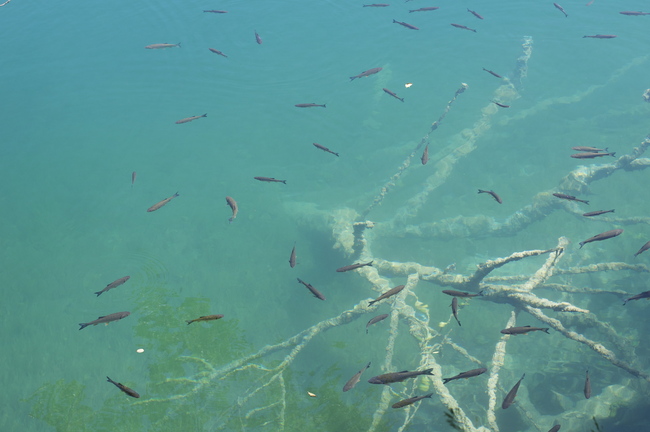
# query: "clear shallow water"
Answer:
x=84 y=105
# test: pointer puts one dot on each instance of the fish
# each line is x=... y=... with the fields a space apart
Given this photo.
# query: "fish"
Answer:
x=162 y=45
x=105 y=319
x=424 y=9
x=377 y=5
x=589 y=149
x=601 y=36
x=325 y=149
x=461 y=293
x=468 y=374
x=493 y=73
x=569 y=197
x=216 y=51
x=113 y=284
x=366 y=73
x=407 y=25
x=597 y=213
x=634 y=13
x=494 y=195
x=205 y=318
x=602 y=236
x=555 y=428
x=510 y=397
x=460 y=26
x=587 y=389
x=133 y=176
x=393 y=94
x=124 y=388
x=561 y=9
x=233 y=205
x=355 y=379
x=189 y=119
x=410 y=401
x=523 y=330
x=475 y=14
x=643 y=295
x=393 y=377
x=353 y=267
x=590 y=155
x=500 y=104
x=309 y=105
x=425 y=155
x=216 y=11
x=375 y=320
x=644 y=248
x=161 y=203
x=270 y=180
x=454 y=309
x=292 y=257
x=390 y=292
x=258 y=39
x=313 y=290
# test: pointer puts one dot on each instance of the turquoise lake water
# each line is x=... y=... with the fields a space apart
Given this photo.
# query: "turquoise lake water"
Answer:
x=84 y=105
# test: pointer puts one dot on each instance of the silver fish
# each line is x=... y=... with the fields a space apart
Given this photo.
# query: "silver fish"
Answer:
x=105 y=319
x=355 y=379
x=510 y=397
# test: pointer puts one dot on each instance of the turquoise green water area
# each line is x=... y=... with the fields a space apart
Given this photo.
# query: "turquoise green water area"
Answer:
x=84 y=105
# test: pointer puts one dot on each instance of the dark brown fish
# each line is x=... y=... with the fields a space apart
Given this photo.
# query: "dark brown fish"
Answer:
x=425 y=155
x=633 y=13
x=644 y=248
x=355 y=379
x=325 y=149
x=377 y=5
x=460 y=26
x=113 y=284
x=493 y=73
x=124 y=388
x=500 y=104
x=233 y=205
x=309 y=105
x=475 y=14
x=561 y=9
x=216 y=11
x=393 y=94
x=601 y=36
x=105 y=319
x=189 y=119
x=523 y=330
x=494 y=195
x=555 y=428
x=569 y=197
x=258 y=39
x=205 y=318
x=390 y=292
x=216 y=51
x=424 y=9
x=353 y=267
x=394 y=377
x=589 y=149
x=410 y=401
x=461 y=293
x=270 y=180
x=590 y=155
x=587 y=389
x=161 y=203
x=162 y=45
x=454 y=308
x=597 y=213
x=313 y=290
x=292 y=257
x=468 y=374
x=602 y=236
x=133 y=176
x=407 y=25
x=643 y=295
x=366 y=73
x=375 y=320
x=510 y=397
